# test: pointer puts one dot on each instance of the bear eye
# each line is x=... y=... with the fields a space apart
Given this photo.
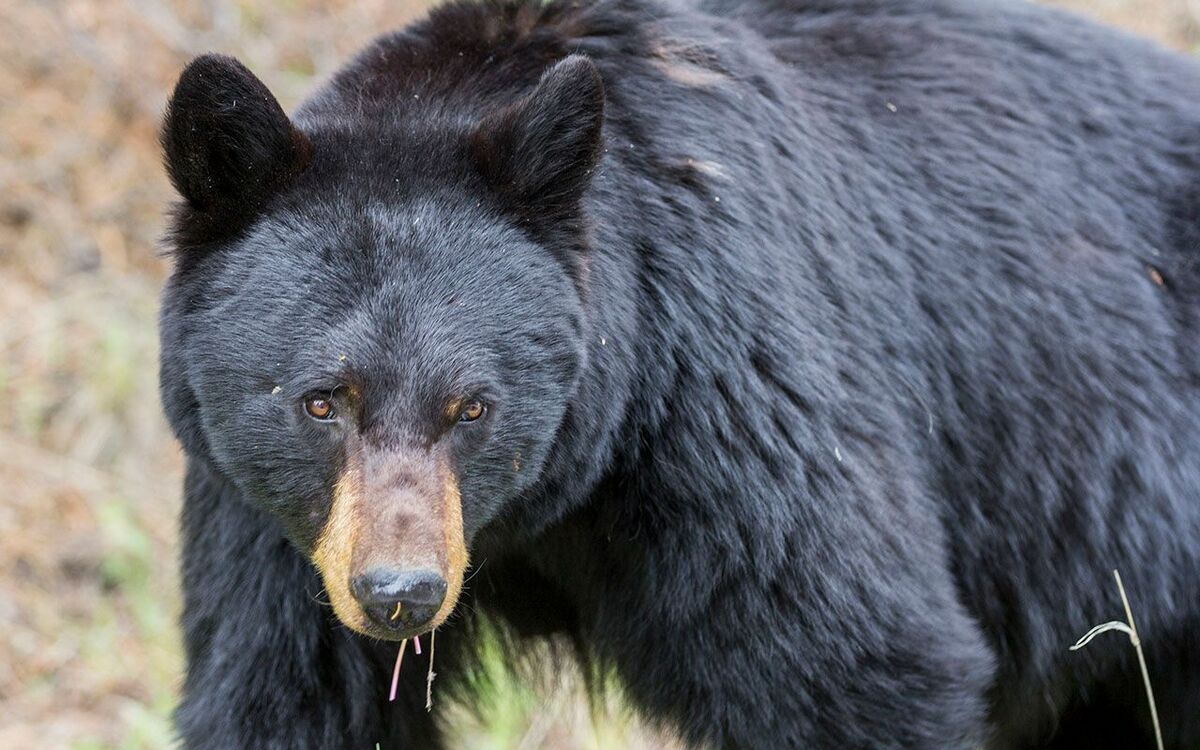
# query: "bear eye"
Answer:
x=472 y=410
x=320 y=408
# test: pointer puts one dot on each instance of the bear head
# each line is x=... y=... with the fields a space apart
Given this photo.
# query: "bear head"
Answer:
x=374 y=325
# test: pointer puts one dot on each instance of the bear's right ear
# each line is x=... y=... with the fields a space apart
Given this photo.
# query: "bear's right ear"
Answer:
x=540 y=151
x=227 y=142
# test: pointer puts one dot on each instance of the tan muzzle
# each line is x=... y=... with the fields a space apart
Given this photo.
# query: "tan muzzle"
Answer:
x=392 y=552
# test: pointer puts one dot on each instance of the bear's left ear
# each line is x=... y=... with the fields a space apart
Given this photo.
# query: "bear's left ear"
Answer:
x=539 y=152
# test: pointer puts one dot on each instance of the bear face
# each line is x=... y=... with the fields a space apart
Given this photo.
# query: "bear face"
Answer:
x=375 y=335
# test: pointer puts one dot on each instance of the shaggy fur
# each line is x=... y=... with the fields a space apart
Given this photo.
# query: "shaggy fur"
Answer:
x=836 y=352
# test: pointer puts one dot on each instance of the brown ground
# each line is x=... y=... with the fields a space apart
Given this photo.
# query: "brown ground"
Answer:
x=89 y=656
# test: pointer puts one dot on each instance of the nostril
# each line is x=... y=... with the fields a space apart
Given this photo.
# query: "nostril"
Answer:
x=387 y=585
x=399 y=599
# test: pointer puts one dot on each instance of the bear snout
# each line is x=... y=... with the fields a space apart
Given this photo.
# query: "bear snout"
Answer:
x=392 y=553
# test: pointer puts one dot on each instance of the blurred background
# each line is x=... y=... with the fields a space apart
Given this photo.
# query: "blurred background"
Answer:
x=89 y=473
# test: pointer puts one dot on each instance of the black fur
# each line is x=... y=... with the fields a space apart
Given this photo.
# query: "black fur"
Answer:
x=838 y=351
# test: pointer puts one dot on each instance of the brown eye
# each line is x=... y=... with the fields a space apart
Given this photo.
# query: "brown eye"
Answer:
x=471 y=411
x=319 y=408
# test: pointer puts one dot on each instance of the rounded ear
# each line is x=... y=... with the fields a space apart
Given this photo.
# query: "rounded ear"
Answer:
x=227 y=143
x=539 y=152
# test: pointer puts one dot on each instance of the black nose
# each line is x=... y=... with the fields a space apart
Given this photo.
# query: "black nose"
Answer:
x=399 y=599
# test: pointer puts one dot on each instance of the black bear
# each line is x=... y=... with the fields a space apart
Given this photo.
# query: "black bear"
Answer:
x=807 y=364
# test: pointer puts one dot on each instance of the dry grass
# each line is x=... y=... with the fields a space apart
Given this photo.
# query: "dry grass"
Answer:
x=89 y=656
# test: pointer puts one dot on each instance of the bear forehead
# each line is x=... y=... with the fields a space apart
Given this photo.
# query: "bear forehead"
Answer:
x=387 y=242
x=412 y=276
